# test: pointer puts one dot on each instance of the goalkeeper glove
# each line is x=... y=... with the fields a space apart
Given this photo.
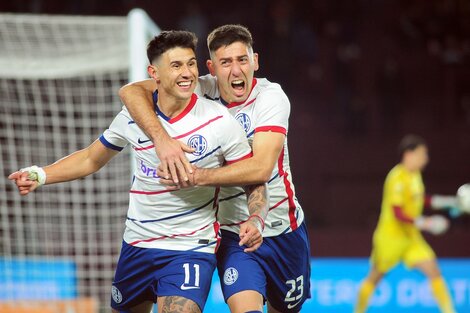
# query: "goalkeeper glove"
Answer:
x=434 y=224
x=35 y=173
x=439 y=202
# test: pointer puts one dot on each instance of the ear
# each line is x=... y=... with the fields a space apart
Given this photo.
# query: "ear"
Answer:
x=255 y=61
x=152 y=70
x=210 y=67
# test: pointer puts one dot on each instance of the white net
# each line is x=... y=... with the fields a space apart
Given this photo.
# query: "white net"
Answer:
x=59 y=82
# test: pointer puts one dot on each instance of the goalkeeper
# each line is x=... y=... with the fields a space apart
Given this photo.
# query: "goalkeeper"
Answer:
x=397 y=237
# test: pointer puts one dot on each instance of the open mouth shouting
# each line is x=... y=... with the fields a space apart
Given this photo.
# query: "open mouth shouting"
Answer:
x=238 y=87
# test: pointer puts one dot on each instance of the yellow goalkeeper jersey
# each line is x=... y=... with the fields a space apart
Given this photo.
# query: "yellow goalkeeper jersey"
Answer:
x=404 y=189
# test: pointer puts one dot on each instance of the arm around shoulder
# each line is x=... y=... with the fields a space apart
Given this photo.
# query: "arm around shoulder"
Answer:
x=138 y=99
x=267 y=147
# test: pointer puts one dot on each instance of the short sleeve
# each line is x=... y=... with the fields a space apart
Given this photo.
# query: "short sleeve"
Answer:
x=396 y=189
x=272 y=111
x=114 y=137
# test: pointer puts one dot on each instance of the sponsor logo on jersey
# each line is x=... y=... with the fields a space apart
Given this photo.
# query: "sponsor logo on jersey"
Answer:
x=230 y=276
x=140 y=141
x=147 y=170
x=117 y=296
x=244 y=121
x=198 y=143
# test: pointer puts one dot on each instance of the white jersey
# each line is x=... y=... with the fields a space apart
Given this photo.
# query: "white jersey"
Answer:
x=267 y=108
x=184 y=219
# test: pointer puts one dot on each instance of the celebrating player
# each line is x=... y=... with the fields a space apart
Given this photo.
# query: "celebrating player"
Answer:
x=397 y=237
x=171 y=236
x=279 y=270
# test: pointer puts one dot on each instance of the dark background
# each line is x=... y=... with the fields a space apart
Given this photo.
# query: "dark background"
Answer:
x=360 y=74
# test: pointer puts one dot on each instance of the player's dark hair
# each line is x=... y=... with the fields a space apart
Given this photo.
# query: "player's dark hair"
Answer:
x=226 y=35
x=409 y=143
x=170 y=39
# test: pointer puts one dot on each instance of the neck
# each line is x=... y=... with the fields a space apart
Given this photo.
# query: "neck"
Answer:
x=171 y=106
x=410 y=168
x=225 y=99
x=224 y=102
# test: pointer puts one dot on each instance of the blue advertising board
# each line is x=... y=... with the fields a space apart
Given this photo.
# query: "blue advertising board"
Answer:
x=37 y=279
x=334 y=284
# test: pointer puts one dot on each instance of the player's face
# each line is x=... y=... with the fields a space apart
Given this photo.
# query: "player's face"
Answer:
x=234 y=65
x=176 y=73
x=420 y=157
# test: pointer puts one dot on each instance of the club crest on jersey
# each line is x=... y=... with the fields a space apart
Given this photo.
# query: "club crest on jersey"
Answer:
x=117 y=296
x=244 y=121
x=230 y=276
x=198 y=143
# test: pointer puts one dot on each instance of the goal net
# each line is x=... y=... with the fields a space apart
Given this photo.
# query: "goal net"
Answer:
x=59 y=83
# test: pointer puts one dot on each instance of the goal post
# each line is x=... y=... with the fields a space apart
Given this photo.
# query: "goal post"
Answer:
x=59 y=83
x=141 y=30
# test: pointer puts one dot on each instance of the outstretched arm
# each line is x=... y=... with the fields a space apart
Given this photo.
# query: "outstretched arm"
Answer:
x=258 y=207
x=137 y=97
x=76 y=165
x=440 y=202
x=435 y=224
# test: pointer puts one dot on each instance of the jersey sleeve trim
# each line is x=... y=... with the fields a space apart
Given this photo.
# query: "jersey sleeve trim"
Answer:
x=275 y=129
x=249 y=155
x=401 y=216
x=109 y=145
x=427 y=201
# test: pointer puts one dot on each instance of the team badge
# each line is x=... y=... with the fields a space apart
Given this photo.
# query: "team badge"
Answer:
x=244 y=121
x=230 y=276
x=117 y=296
x=198 y=143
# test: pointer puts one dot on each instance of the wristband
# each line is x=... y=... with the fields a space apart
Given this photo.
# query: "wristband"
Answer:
x=35 y=173
x=260 y=219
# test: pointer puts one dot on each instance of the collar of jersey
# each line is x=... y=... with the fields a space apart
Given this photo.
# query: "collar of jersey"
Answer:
x=234 y=104
x=186 y=110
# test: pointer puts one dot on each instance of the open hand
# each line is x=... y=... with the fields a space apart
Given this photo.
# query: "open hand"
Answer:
x=174 y=163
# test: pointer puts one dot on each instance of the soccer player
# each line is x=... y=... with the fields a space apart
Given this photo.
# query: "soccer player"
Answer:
x=279 y=270
x=171 y=236
x=397 y=237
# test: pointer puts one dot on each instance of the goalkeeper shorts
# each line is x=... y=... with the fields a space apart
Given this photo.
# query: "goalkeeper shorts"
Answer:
x=389 y=250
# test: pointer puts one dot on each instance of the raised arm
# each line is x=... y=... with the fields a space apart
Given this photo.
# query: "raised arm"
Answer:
x=76 y=165
x=137 y=97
